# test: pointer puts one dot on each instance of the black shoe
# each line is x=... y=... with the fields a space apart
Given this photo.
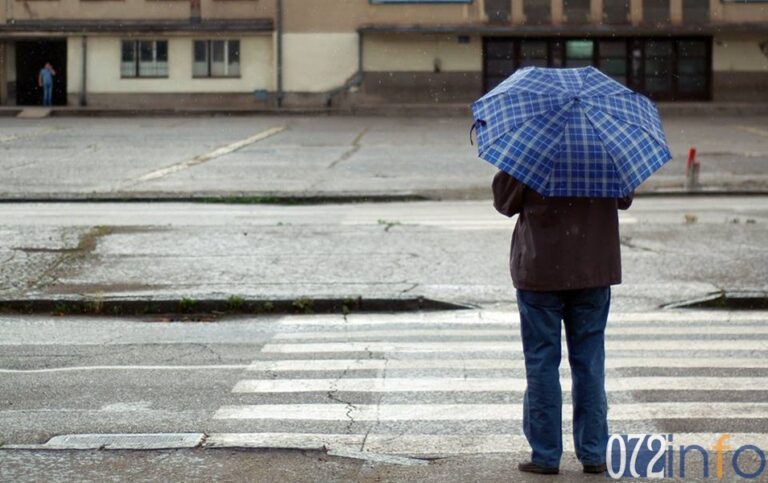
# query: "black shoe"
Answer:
x=595 y=469
x=531 y=467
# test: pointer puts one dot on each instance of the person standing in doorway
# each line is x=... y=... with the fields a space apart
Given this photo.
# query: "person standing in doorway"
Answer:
x=45 y=80
x=565 y=256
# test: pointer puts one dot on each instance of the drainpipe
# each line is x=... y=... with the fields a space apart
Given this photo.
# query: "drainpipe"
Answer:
x=84 y=73
x=279 y=33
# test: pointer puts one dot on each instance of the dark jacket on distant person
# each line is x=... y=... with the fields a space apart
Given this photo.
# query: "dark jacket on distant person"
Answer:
x=560 y=243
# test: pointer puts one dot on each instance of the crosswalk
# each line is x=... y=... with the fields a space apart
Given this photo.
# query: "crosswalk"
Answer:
x=452 y=382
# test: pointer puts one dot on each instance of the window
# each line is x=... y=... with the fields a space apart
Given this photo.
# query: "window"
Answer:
x=659 y=62
x=616 y=11
x=216 y=58
x=612 y=59
x=577 y=11
x=144 y=58
x=695 y=11
x=498 y=10
x=579 y=53
x=537 y=11
x=656 y=11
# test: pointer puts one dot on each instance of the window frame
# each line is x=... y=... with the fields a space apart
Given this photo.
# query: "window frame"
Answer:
x=136 y=61
x=209 y=59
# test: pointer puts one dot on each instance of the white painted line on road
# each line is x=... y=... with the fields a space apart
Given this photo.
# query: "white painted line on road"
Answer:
x=482 y=412
x=381 y=364
x=753 y=130
x=724 y=330
x=292 y=365
x=480 y=384
x=365 y=334
x=489 y=346
x=125 y=368
x=230 y=148
x=507 y=318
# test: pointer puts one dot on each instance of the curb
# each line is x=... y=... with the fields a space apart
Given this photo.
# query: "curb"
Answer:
x=298 y=200
x=385 y=110
x=211 y=309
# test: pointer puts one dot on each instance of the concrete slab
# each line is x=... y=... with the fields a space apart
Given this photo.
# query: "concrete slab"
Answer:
x=34 y=113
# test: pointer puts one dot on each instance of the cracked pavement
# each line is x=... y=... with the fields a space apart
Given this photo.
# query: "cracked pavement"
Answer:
x=451 y=251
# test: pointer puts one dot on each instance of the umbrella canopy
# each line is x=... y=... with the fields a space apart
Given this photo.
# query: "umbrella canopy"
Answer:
x=570 y=132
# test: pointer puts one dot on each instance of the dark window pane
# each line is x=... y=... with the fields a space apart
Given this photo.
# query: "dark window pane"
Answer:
x=233 y=58
x=658 y=84
x=613 y=48
x=128 y=59
x=500 y=67
x=577 y=11
x=498 y=10
x=695 y=11
x=500 y=50
x=537 y=11
x=614 y=67
x=657 y=67
x=656 y=11
x=128 y=51
x=533 y=49
x=201 y=51
x=691 y=84
x=145 y=51
x=161 y=47
x=658 y=48
x=692 y=48
x=616 y=11
x=692 y=67
x=234 y=51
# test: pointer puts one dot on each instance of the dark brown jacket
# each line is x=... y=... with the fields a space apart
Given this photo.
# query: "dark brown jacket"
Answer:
x=560 y=243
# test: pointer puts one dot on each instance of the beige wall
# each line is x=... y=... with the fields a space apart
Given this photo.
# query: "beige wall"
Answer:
x=257 y=71
x=138 y=9
x=739 y=53
x=238 y=9
x=419 y=53
x=99 y=10
x=348 y=15
x=318 y=62
x=731 y=12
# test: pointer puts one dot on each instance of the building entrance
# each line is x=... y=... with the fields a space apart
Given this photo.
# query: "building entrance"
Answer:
x=31 y=56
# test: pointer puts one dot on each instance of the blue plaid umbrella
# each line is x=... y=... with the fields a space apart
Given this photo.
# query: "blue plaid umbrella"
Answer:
x=570 y=132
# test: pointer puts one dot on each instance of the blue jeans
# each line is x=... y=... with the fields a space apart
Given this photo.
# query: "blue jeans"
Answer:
x=47 y=94
x=585 y=313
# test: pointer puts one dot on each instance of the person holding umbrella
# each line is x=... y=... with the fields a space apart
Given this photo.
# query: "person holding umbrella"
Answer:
x=571 y=146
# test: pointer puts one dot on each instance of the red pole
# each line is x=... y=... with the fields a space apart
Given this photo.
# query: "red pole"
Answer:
x=691 y=159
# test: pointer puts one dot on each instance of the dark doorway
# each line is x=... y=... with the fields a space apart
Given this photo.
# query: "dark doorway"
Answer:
x=31 y=56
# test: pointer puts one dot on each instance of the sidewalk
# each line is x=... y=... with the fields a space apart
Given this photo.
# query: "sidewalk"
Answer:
x=673 y=249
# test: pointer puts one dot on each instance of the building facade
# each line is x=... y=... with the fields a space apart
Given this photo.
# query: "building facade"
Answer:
x=241 y=53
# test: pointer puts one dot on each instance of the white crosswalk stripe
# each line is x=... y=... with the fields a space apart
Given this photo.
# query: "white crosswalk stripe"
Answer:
x=479 y=384
x=445 y=375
